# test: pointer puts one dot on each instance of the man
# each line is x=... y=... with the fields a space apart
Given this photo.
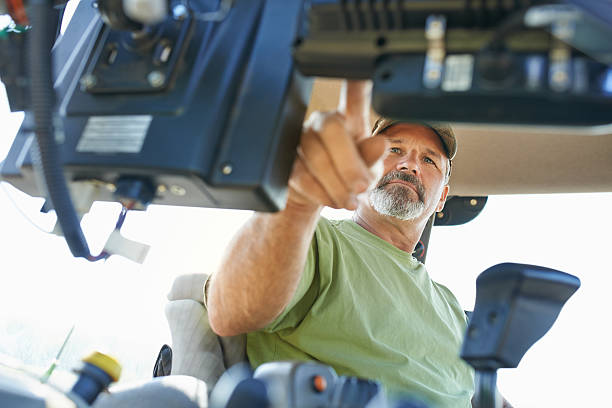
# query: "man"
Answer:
x=350 y=294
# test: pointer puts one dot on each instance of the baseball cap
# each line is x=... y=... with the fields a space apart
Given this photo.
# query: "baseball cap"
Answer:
x=444 y=132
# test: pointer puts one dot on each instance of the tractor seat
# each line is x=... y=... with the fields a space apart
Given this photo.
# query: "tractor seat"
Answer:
x=196 y=350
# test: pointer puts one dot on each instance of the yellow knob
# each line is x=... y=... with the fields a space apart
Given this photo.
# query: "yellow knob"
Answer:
x=105 y=363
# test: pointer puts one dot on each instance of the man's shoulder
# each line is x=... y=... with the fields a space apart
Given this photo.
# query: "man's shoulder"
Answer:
x=332 y=225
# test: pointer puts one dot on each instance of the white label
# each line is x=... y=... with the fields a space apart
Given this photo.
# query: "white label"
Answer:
x=114 y=134
x=458 y=70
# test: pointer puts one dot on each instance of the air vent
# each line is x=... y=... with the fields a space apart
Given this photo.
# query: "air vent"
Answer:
x=389 y=15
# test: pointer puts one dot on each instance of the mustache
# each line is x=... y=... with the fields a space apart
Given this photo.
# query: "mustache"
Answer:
x=406 y=177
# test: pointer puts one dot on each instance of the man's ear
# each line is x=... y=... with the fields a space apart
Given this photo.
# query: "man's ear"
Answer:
x=443 y=196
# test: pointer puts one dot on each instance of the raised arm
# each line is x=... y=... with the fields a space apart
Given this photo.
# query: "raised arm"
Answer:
x=263 y=264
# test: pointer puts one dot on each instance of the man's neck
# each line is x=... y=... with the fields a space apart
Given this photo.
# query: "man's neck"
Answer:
x=399 y=233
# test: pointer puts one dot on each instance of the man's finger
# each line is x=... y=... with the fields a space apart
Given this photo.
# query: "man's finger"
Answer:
x=355 y=98
x=342 y=149
x=306 y=187
x=320 y=165
x=373 y=149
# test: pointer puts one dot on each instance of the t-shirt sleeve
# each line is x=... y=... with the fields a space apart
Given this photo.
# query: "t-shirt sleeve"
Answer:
x=305 y=294
x=453 y=302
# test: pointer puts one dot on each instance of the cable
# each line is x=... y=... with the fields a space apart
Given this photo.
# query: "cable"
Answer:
x=8 y=195
x=43 y=100
x=124 y=210
x=93 y=258
x=17 y=11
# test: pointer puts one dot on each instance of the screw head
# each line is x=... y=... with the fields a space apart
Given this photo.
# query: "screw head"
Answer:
x=492 y=318
x=179 y=12
x=178 y=190
x=156 y=79
x=473 y=332
x=473 y=202
x=88 y=81
x=440 y=214
x=227 y=169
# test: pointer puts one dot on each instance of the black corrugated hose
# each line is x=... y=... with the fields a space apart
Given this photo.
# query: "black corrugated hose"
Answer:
x=42 y=99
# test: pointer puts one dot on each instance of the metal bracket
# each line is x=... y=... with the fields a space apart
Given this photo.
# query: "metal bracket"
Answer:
x=435 y=30
x=559 y=75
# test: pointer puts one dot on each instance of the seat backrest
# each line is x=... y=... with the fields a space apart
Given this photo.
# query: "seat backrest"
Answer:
x=197 y=350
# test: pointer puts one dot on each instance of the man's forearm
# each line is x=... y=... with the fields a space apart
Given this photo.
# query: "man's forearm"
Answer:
x=260 y=270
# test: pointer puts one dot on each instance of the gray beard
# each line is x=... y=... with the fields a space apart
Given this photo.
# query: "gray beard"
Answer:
x=396 y=201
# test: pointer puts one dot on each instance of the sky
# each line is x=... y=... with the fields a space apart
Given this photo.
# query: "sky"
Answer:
x=118 y=306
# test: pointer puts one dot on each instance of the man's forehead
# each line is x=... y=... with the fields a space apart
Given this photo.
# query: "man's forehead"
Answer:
x=410 y=132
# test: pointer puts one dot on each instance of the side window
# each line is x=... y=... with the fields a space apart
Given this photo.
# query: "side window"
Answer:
x=561 y=231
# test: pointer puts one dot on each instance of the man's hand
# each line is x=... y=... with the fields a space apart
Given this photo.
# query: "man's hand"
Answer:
x=336 y=154
x=264 y=263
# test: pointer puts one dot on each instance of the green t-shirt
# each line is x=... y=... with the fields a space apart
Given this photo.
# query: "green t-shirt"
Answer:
x=370 y=310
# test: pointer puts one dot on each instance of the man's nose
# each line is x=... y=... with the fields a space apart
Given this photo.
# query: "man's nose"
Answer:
x=408 y=162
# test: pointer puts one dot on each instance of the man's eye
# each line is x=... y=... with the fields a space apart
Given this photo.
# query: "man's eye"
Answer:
x=396 y=150
x=428 y=160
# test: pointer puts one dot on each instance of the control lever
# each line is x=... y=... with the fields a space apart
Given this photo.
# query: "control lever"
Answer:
x=237 y=388
x=292 y=384
x=516 y=305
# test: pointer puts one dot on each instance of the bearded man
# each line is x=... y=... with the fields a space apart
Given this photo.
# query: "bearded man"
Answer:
x=349 y=293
